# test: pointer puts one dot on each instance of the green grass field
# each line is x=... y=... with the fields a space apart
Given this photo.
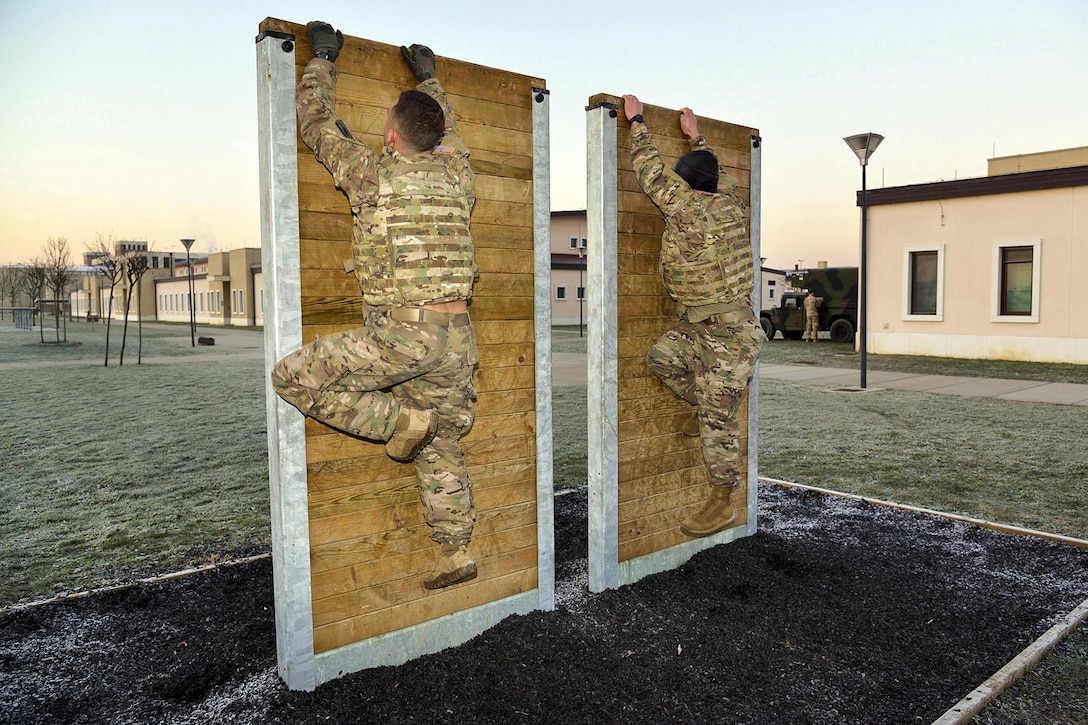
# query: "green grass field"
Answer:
x=113 y=473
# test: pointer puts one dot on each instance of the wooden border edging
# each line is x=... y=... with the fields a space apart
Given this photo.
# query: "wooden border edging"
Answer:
x=1017 y=667
x=135 y=583
x=983 y=695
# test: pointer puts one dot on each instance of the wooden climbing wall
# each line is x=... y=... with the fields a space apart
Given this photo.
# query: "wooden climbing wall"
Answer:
x=369 y=546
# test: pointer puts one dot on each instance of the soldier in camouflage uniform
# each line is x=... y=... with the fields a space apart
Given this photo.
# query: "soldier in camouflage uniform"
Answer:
x=708 y=357
x=812 y=316
x=405 y=376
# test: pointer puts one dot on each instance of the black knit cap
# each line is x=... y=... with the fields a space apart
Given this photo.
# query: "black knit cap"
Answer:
x=700 y=170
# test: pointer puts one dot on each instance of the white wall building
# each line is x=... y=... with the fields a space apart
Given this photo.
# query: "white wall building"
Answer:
x=983 y=268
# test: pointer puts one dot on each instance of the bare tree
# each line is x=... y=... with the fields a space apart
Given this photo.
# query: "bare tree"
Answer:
x=58 y=262
x=136 y=266
x=112 y=269
x=36 y=274
x=24 y=288
x=9 y=285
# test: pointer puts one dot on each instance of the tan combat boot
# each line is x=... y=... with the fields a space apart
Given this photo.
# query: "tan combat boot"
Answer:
x=454 y=566
x=716 y=514
x=415 y=429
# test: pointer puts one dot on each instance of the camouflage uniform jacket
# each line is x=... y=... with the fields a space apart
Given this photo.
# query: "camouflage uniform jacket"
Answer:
x=411 y=243
x=706 y=258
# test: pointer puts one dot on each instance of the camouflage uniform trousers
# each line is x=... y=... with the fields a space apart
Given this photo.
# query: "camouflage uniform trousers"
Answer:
x=812 y=326
x=357 y=381
x=709 y=364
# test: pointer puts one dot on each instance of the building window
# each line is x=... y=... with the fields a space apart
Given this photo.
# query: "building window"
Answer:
x=581 y=293
x=574 y=242
x=583 y=242
x=560 y=293
x=1016 y=281
x=923 y=283
x=770 y=293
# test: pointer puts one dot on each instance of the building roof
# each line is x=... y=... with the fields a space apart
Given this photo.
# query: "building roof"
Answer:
x=983 y=186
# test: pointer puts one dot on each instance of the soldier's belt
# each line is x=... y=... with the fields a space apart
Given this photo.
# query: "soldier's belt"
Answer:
x=431 y=317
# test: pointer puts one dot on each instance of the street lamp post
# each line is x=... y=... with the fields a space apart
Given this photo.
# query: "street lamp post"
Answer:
x=192 y=311
x=863 y=145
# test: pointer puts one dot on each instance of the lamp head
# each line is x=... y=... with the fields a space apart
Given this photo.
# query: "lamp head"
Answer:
x=863 y=144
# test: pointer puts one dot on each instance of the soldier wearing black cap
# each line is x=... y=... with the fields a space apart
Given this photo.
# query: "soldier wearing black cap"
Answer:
x=708 y=357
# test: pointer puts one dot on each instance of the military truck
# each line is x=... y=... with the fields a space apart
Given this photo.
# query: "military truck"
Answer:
x=838 y=286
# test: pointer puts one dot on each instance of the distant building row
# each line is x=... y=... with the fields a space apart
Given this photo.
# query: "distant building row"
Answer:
x=227 y=288
x=974 y=268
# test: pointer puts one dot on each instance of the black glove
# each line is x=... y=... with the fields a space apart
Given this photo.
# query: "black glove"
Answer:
x=325 y=41
x=420 y=59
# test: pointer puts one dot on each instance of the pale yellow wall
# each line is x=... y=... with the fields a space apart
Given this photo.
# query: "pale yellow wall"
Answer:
x=968 y=229
x=1061 y=159
x=230 y=272
x=563 y=228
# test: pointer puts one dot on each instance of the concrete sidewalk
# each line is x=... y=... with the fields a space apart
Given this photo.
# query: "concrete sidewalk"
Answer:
x=570 y=369
x=1026 y=390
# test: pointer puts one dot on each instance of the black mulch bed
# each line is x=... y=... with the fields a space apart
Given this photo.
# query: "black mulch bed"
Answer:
x=835 y=612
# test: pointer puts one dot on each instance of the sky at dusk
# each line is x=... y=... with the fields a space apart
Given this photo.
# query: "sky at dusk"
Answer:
x=138 y=120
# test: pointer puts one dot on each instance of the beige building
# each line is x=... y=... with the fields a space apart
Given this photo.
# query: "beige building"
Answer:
x=983 y=268
x=568 y=245
x=92 y=299
x=227 y=290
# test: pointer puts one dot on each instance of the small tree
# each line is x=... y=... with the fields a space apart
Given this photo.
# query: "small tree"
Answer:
x=9 y=281
x=36 y=274
x=136 y=266
x=111 y=268
x=24 y=287
x=58 y=262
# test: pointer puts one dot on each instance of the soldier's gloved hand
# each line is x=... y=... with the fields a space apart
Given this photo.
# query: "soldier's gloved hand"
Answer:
x=325 y=41
x=420 y=59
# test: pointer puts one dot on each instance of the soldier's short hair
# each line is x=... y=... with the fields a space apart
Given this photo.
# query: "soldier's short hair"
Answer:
x=419 y=120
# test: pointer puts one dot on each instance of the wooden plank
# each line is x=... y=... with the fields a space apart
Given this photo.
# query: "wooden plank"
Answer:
x=500 y=356
x=360 y=574
x=396 y=592
x=440 y=603
x=635 y=469
x=384 y=497
x=498 y=332
x=671 y=480
x=487 y=307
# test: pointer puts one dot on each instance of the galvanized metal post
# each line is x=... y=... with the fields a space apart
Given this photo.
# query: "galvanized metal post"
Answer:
x=603 y=435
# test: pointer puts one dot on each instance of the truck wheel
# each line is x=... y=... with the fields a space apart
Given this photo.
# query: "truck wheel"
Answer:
x=842 y=331
x=768 y=327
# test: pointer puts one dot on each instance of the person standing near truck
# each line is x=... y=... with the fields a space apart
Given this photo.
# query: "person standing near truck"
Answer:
x=812 y=316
